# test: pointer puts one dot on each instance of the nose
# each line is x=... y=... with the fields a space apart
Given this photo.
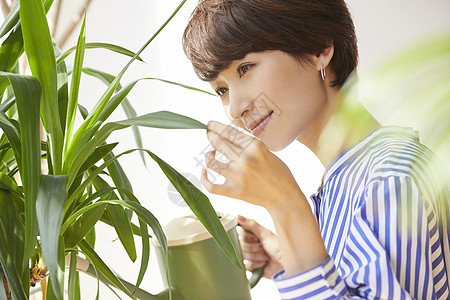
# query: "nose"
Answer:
x=241 y=103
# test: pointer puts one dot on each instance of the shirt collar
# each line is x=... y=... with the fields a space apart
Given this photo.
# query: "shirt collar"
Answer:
x=351 y=153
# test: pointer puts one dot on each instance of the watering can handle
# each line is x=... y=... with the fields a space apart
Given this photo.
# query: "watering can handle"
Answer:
x=257 y=274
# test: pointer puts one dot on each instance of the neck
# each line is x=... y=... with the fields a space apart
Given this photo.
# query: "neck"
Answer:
x=343 y=123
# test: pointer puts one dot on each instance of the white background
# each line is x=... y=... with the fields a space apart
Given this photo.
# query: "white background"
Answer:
x=382 y=27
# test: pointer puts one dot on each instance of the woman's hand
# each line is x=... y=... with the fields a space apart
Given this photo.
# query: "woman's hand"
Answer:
x=256 y=175
x=259 y=246
x=253 y=173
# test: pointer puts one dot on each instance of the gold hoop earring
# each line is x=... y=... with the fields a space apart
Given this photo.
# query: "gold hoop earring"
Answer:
x=323 y=73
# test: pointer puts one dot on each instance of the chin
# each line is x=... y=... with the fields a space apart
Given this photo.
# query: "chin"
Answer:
x=276 y=146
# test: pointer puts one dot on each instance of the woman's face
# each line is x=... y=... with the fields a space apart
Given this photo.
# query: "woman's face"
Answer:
x=275 y=97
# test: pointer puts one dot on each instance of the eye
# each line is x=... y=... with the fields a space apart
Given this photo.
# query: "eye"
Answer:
x=242 y=69
x=221 y=91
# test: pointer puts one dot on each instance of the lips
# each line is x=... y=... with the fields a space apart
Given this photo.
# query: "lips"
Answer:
x=257 y=126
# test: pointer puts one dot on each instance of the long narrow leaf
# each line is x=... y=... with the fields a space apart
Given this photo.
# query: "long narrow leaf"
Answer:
x=75 y=84
x=145 y=238
x=41 y=56
x=111 y=47
x=81 y=227
x=197 y=201
x=11 y=50
x=11 y=240
x=201 y=207
x=10 y=21
x=7 y=103
x=99 y=153
x=106 y=112
x=162 y=119
x=13 y=137
x=119 y=219
x=28 y=95
x=13 y=17
x=63 y=89
x=145 y=258
x=102 y=267
x=98 y=108
x=72 y=275
x=49 y=208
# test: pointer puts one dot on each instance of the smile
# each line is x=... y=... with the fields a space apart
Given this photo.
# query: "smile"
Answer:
x=258 y=126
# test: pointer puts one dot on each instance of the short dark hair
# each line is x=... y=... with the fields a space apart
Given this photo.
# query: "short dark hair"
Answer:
x=221 y=31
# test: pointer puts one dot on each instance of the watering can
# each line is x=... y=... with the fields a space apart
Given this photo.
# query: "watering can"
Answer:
x=197 y=268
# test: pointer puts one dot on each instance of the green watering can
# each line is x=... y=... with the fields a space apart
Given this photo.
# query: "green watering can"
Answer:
x=197 y=267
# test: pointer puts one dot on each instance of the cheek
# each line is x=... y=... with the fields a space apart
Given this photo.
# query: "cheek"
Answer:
x=226 y=109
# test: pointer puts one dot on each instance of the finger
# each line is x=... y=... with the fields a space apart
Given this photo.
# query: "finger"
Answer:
x=218 y=189
x=247 y=237
x=252 y=247
x=230 y=134
x=251 y=225
x=255 y=256
x=215 y=165
x=230 y=150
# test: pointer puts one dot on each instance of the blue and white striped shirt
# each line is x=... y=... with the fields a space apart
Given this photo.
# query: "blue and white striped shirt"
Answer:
x=383 y=213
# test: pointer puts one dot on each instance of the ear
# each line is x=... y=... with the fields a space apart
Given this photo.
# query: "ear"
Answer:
x=324 y=58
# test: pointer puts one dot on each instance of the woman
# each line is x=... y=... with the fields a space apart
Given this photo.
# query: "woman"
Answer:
x=379 y=226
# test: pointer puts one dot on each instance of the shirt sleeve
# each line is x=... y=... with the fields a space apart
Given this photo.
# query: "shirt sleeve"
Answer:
x=392 y=251
x=321 y=282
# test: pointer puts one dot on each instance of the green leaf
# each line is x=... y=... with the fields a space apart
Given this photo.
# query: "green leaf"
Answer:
x=145 y=218
x=99 y=153
x=28 y=94
x=12 y=277
x=98 y=108
x=49 y=210
x=102 y=267
x=111 y=47
x=13 y=228
x=145 y=238
x=184 y=86
x=72 y=275
x=11 y=50
x=41 y=57
x=7 y=103
x=13 y=137
x=107 y=111
x=158 y=120
x=197 y=201
x=83 y=225
x=164 y=119
x=119 y=219
x=130 y=112
x=8 y=223
x=63 y=90
x=75 y=84
x=10 y=21
x=6 y=183
x=201 y=207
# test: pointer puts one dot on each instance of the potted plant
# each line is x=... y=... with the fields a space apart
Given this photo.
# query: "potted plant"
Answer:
x=46 y=216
